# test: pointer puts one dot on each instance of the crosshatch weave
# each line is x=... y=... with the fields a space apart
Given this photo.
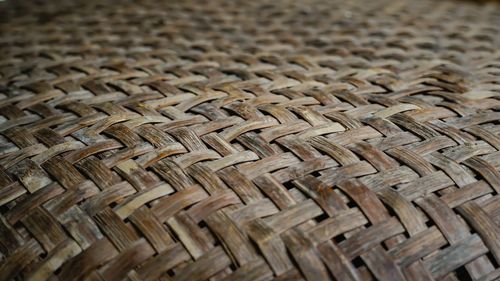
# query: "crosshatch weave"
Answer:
x=249 y=140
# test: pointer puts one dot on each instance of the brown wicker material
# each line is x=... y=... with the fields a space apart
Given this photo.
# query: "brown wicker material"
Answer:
x=249 y=140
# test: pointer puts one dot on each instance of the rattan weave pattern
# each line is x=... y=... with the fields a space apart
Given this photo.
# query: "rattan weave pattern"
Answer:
x=249 y=140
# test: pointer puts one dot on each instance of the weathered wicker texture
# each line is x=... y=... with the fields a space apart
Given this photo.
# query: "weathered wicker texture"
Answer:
x=250 y=140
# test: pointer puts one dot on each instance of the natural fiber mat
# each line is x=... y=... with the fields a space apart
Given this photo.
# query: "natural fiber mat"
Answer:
x=249 y=140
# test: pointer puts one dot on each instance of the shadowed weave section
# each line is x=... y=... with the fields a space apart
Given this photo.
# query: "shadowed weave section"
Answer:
x=249 y=140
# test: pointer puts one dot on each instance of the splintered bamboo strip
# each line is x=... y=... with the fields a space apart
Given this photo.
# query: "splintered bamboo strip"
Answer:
x=249 y=140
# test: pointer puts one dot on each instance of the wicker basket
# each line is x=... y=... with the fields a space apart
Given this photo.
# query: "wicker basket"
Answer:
x=249 y=140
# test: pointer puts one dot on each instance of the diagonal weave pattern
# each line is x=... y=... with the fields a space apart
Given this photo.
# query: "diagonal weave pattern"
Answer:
x=249 y=140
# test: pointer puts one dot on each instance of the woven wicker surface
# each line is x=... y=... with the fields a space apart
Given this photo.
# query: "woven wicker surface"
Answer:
x=249 y=140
